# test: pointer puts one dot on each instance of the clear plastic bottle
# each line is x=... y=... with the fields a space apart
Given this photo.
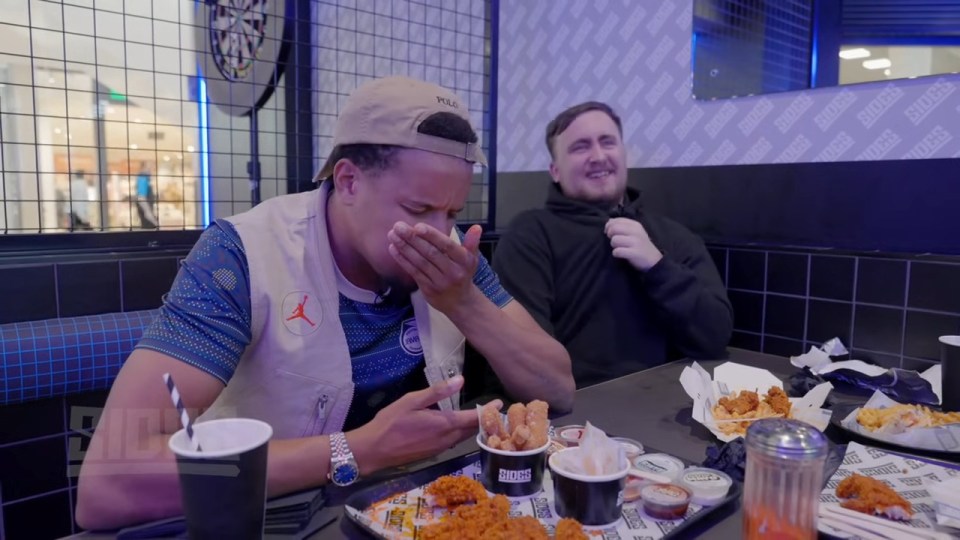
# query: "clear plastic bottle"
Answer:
x=784 y=477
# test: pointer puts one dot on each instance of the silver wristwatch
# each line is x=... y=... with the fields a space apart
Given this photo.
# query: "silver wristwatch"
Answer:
x=343 y=467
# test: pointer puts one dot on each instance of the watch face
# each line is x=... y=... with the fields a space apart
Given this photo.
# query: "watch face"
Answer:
x=345 y=474
x=237 y=30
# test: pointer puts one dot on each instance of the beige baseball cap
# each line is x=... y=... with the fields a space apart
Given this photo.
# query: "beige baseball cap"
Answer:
x=390 y=109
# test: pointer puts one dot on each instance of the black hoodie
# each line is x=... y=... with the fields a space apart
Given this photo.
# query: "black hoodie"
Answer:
x=612 y=318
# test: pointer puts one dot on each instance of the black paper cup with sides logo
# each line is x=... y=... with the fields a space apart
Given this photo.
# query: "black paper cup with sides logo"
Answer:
x=514 y=474
x=591 y=500
x=224 y=486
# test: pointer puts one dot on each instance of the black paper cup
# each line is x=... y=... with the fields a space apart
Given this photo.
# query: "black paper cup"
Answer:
x=950 y=371
x=514 y=474
x=591 y=500
x=224 y=487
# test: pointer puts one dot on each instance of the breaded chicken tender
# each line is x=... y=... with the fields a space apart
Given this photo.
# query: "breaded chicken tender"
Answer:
x=741 y=403
x=778 y=400
x=871 y=496
x=492 y=423
x=452 y=491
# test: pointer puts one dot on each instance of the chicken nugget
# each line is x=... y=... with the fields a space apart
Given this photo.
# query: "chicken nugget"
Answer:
x=742 y=403
x=516 y=416
x=491 y=422
x=451 y=491
x=538 y=435
x=537 y=411
x=520 y=436
x=778 y=400
x=507 y=446
x=871 y=496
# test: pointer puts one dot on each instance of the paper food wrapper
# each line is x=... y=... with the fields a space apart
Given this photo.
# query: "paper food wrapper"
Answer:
x=401 y=516
x=941 y=439
x=913 y=479
x=596 y=455
x=946 y=499
x=818 y=361
x=731 y=377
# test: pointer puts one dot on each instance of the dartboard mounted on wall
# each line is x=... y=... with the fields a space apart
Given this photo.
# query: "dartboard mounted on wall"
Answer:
x=242 y=48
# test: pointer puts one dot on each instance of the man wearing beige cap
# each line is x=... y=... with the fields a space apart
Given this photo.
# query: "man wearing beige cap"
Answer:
x=339 y=316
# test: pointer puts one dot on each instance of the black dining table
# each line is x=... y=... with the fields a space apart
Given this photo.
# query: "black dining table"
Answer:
x=649 y=406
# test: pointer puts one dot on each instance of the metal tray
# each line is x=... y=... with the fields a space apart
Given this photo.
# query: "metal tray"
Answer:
x=363 y=499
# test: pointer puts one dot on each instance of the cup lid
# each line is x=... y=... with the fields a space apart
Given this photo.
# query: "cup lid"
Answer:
x=787 y=438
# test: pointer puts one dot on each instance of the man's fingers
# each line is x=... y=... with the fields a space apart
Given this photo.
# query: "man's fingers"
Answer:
x=621 y=241
x=408 y=266
x=471 y=239
x=421 y=399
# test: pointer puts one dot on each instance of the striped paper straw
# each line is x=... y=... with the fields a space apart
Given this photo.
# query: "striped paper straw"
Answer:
x=184 y=417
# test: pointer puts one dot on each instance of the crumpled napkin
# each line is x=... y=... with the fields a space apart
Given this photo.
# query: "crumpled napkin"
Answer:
x=597 y=454
x=906 y=386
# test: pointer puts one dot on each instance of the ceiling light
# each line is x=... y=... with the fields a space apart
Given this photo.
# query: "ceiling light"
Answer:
x=137 y=120
x=111 y=110
x=877 y=63
x=134 y=147
x=853 y=54
x=56 y=130
x=886 y=72
x=166 y=158
x=190 y=148
x=179 y=156
x=51 y=80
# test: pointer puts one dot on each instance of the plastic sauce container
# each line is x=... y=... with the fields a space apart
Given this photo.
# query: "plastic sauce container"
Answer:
x=661 y=464
x=665 y=501
x=570 y=435
x=630 y=447
x=707 y=487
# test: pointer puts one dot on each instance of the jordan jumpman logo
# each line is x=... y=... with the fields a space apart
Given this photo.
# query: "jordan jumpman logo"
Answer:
x=299 y=314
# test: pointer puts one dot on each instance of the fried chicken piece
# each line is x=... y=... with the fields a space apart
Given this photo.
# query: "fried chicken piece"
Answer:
x=520 y=436
x=742 y=403
x=516 y=416
x=507 y=446
x=491 y=422
x=570 y=529
x=525 y=527
x=452 y=491
x=778 y=400
x=871 y=496
x=494 y=442
x=537 y=412
x=469 y=522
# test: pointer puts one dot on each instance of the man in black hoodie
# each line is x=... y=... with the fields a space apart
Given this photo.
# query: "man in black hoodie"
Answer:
x=622 y=288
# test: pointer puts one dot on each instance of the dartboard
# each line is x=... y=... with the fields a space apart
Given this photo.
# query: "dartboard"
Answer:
x=236 y=35
x=242 y=48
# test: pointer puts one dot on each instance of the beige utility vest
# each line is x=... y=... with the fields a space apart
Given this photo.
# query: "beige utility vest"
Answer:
x=296 y=373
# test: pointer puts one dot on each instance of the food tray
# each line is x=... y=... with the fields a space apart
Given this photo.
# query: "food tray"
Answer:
x=402 y=509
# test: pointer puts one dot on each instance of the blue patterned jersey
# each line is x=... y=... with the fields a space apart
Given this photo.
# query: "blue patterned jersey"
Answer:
x=205 y=321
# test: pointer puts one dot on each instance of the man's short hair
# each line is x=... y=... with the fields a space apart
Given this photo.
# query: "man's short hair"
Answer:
x=563 y=120
x=379 y=157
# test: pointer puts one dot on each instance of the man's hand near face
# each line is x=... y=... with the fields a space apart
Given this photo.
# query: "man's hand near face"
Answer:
x=528 y=361
x=631 y=243
x=442 y=268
